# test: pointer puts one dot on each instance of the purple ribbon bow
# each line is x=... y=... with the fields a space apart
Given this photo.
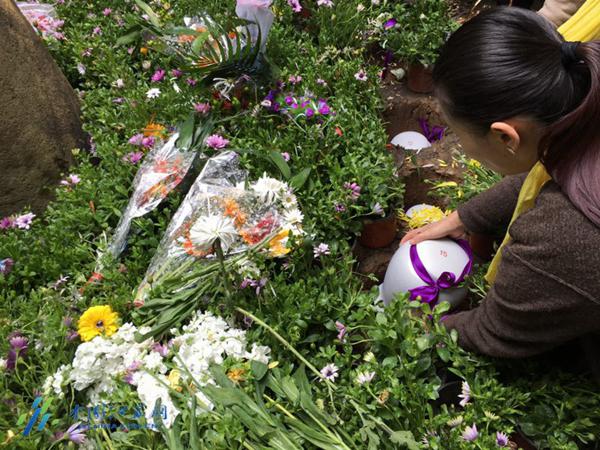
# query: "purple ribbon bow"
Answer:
x=430 y=291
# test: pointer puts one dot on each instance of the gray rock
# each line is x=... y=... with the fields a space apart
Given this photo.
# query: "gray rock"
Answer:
x=40 y=122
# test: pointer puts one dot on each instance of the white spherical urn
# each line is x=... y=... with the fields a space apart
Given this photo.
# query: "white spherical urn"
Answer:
x=410 y=212
x=411 y=140
x=436 y=257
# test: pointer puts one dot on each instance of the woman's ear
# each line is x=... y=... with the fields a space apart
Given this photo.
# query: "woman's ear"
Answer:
x=506 y=134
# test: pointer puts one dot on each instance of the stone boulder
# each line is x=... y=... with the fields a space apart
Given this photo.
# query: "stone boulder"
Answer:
x=40 y=123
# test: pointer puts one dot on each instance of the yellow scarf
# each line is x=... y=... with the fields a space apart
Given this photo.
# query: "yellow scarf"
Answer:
x=584 y=25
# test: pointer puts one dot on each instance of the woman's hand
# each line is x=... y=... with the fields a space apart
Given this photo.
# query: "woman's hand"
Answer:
x=451 y=226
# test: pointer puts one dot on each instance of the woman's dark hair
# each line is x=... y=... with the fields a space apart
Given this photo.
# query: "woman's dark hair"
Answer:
x=509 y=62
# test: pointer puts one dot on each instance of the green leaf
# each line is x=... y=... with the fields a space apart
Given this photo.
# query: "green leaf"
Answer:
x=132 y=35
x=405 y=438
x=151 y=14
x=199 y=42
x=298 y=180
x=281 y=164
x=186 y=133
x=258 y=369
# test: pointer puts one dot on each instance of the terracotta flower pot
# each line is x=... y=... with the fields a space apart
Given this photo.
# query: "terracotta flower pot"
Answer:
x=420 y=78
x=378 y=232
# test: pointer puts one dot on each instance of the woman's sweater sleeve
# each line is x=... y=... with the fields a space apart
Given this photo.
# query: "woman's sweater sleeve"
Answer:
x=526 y=312
x=491 y=211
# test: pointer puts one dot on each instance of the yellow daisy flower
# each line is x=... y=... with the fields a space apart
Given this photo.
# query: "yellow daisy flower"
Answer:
x=97 y=321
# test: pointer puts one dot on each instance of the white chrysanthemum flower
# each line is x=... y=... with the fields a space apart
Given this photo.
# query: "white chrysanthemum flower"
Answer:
x=208 y=229
x=289 y=200
x=293 y=216
x=269 y=189
x=2 y=364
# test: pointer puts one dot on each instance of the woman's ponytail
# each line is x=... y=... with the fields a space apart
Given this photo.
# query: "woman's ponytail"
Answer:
x=570 y=150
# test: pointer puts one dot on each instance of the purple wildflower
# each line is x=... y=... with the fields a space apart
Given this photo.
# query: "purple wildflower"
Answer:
x=87 y=52
x=390 y=24
x=323 y=108
x=339 y=207
x=216 y=141
x=24 y=221
x=118 y=100
x=97 y=31
x=136 y=139
x=161 y=349
x=286 y=156
x=257 y=284
x=328 y=3
x=321 y=81
x=501 y=439
x=107 y=11
x=148 y=142
x=158 y=76
x=202 y=108
x=470 y=433
x=330 y=372
x=72 y=335
x=76 y=434
x=321 y=249
x=6 y=223
x=6 y=266
x=354 y=190
x=191 y=81
x=310 y=112
x=341 y=328
x=296 y=6
x=19 y=343
x=176 y=73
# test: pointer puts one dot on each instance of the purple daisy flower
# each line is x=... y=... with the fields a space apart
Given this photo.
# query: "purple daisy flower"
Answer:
x=470 y=433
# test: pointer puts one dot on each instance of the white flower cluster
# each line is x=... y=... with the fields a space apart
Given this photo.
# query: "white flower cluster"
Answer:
x=272 y=191
x=103 y=365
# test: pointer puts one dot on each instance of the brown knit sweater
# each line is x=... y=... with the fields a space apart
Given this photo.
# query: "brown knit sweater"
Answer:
x=547 y=289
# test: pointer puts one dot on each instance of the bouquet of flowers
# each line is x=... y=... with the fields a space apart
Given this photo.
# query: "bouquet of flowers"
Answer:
x=206 y=48
x=106 y=365
x=163 y=169
x=221 y=229
x=298 y=106
x=43 y=19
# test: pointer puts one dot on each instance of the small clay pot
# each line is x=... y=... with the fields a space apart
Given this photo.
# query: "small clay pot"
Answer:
x=420 y=78
x=378 y=232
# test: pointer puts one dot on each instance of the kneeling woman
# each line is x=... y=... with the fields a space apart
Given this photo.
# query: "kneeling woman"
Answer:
x=522 y=100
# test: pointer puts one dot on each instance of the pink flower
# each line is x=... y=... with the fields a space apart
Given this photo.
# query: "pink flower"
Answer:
x=176 y=73
x=24 y=221
x=470 y=433
x=158 y=76
x=321 y=249
x=341 y=331
x=354 y=190
x=296 y=6
x=133 y=157
x=321 y=81
x=97 y=31
x=71 y=180
x=191 y=81
x=107 y=11
x=361 y=75
x=286 y=156
x=328 y=3
x=465 y=394
x=295 y=79
x=136 y=139
x=148 y=141
x=216 y=141
x=202 y=108
x=501 y=439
